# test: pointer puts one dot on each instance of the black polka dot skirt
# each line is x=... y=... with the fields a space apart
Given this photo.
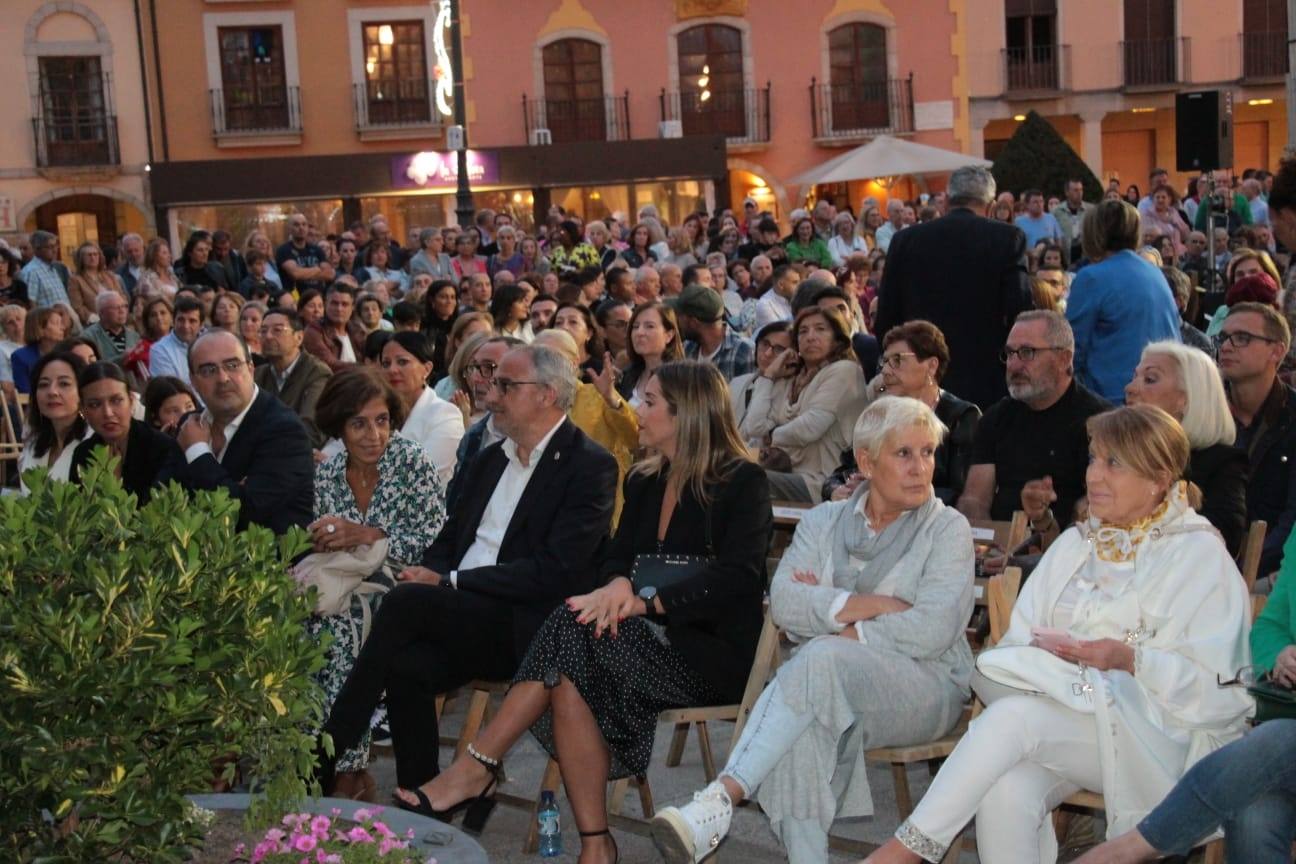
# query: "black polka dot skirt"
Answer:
x=626 y=682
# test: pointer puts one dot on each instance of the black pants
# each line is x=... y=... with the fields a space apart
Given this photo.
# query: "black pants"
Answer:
x=425 y=640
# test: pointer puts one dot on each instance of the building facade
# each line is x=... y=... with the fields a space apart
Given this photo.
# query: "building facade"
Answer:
x=73 y=156
x=1105 y=74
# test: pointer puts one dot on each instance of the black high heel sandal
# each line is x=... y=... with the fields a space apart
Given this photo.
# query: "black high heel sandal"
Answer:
x=616 y=851
x=476 y=810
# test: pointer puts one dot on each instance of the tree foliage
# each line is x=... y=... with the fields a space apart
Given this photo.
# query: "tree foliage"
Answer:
x=143 y=651
x=1037 y=157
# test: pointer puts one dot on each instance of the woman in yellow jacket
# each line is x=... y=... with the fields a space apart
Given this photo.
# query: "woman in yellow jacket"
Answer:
x=599 y=411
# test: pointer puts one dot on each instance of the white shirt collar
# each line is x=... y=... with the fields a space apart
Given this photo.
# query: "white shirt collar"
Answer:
x=283 y=379
x=510 y=447
x=233 y=426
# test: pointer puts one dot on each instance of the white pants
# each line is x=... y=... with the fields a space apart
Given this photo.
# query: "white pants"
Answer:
x=1018 y=761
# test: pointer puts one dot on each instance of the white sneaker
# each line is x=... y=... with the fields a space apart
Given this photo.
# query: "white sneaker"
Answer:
x=686 y=835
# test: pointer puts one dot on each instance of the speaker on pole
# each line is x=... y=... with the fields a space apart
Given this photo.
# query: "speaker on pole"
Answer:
x=1204 y=130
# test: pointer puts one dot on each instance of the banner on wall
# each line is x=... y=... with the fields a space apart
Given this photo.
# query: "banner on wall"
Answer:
x=434 y=168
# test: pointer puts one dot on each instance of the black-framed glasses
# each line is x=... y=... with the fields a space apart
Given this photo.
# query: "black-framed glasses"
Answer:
x=504 y=384
x=485 y=370
x=896 y=360
x=211 y=370
x=1240 y=338
x=1247 y=676
x=1026 y=353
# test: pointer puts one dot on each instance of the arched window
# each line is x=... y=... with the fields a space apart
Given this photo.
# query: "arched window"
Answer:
x=857 y=74
x=711 y=87
x=573 y=83
x=1264 y=38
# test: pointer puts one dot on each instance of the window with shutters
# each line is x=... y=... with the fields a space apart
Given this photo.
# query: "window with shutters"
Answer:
x=1031 y=52
x=857 y=76
x=712 y=96
x=1150 y=47
x=254 y=93
x=574 y=104
x=1264 y=38
x=396 y=77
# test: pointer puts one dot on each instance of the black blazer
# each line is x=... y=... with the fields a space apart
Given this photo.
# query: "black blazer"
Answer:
x=268 y=468
x=558 y=528
x=147 y=451
x=712 y=620
x=967 y=275
x=1220 y=472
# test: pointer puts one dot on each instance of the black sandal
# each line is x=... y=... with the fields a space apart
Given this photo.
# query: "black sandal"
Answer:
x=616 y=851
x=476 y=809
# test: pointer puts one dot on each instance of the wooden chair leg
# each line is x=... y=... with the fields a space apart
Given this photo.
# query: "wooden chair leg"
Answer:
x=708 y=757
x=645 y=796
x=678 y=740
x=616 y=796
x=904 y=802
x=549 y=783
x=473 y=720
x=1215 y=852
x=440 y=706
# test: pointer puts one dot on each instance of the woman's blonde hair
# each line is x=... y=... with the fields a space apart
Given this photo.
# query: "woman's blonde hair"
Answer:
x=885 y=415
x=707 y=444
x=1144 y=438
x=1244 y=253
x=1207 y=420
x=463 y=356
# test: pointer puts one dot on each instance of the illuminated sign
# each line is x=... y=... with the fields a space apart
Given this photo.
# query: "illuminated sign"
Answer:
x=432 y=168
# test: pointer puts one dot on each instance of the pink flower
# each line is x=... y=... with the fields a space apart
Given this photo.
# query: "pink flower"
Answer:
x=274 y=835
x=319 y=826
x=336 y=811
x=382 y=829
x=363 y=815
x=359 y=835
x=304 y=843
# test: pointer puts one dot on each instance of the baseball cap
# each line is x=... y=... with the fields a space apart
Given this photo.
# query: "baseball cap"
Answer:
x=700 y=302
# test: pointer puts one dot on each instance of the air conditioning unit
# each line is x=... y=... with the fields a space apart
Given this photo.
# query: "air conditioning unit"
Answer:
x=670 y=129
x=540 y=137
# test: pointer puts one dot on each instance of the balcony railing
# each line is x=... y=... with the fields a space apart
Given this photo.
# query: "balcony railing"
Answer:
x=1037 y=69
x=267 y=112
x=859 y=110
x=741 y=115
x=606 y=118
x=1154 y=62
x=75 y=138
x=384 y=104
x=1264 y=54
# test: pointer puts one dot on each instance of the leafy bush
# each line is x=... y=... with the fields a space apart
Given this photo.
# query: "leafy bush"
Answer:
x=143 y=651
x=1037 y=157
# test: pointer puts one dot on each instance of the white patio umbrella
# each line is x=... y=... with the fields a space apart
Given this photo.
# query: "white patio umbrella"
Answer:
x=885 y=156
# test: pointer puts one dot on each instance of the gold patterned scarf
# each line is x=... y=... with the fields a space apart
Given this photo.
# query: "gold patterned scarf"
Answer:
x=1119 y=543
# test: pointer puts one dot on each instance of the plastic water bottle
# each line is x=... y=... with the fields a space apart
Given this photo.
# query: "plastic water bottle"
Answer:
x=550 y=833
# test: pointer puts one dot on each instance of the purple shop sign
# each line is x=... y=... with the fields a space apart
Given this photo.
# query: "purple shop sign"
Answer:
x=433 y=168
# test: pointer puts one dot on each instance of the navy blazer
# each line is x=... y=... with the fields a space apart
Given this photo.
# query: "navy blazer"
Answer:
x=551 y=547
x=268 y=468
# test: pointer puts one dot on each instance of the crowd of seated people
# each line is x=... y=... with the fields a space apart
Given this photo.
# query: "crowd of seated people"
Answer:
x=521 y=418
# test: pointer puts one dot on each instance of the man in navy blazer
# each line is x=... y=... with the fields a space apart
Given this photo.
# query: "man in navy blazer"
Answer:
x=526 y=532
x=246 y=441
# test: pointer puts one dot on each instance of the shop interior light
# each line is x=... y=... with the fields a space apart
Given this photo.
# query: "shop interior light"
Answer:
x=1259 y=102
x=1019 y=117
x=386 y=36
x=1142 y=110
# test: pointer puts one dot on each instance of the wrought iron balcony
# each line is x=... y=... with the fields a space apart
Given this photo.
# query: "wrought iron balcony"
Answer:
x=75 y=138
x=1264 y=55
x=240 y=111
x=742 y=115
x=1037 y=69
x=606 y=118
x=1155 y=62
x=860 y=110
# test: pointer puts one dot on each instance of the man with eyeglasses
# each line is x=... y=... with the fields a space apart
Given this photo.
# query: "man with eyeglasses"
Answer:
x=479 y=375
x=297 y=377
x=246 y=441
x=1252 y=343
x=1031 y=448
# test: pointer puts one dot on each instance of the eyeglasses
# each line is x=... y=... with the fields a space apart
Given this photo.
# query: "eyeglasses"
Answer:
x=504 y=384
x=276 y=330
x=1247 y=676
x=1239 y=338
x=485 y=370
x=211 y=370
x=896 y=360
x=1026 y=353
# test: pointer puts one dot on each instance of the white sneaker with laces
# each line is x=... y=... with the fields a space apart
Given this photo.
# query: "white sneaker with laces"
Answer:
x=686 y=835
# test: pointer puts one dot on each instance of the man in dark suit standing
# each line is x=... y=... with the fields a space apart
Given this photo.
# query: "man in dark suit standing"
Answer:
x=295 y=376
x=525 y=535
x=132 y=249
x=967 y=275
x=246 y=441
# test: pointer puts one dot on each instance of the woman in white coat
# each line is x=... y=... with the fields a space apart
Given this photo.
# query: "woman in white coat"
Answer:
x=1106 y=678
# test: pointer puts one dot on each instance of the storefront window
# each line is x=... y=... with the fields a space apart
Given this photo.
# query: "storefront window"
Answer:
x=593 y=202
x=674 y=199
x=242 y=219
x=407 y=213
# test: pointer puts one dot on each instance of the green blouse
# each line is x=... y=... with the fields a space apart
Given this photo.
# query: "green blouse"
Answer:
x=1275 y=629
x=816 y=252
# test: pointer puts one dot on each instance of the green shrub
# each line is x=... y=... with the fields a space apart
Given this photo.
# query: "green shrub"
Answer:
x=1037 y=157
x=142 y=652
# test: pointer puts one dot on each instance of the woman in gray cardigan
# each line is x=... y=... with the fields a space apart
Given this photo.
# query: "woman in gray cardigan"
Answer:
x=879 y=588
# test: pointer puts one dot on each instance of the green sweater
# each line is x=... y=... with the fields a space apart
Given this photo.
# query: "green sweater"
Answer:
x=816 y=252
x=1275 y=629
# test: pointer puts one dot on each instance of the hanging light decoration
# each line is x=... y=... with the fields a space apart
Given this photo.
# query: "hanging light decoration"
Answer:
x=442 y=71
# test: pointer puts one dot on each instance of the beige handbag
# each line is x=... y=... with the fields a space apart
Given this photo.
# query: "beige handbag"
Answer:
x=339 y=576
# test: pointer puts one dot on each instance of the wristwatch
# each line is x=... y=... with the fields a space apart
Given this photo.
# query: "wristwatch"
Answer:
x=648 y=594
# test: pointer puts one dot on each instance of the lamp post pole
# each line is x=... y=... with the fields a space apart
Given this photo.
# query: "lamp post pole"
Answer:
x=464 y=209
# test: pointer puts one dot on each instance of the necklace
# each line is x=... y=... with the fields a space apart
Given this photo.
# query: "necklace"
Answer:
x=366 y=480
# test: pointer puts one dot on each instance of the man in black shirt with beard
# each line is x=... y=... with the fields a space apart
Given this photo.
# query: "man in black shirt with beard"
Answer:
x=302 y=264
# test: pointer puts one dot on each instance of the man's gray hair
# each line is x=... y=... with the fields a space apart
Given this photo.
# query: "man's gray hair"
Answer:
x=131 y=236
x=972 y=185
x=39 y=238
x=427 y=234
x=103 y=298
x=885 y=415
x=642 y=274
x=554 y=371
x=1057 y=330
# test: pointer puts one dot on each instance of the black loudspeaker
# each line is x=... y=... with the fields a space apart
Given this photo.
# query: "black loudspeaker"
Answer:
x=1204 y=130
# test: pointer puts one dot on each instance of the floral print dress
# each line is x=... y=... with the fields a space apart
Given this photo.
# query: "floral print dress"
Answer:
x=408 y=504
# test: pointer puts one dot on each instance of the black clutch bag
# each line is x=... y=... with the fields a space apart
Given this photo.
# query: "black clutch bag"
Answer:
x=662 y=569
x=1273 y=701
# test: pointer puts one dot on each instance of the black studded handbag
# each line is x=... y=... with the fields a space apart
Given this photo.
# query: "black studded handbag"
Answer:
x=662 y=569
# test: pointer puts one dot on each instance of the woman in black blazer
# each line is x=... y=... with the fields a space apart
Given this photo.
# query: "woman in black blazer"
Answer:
x=139 y=448
x=607 y=663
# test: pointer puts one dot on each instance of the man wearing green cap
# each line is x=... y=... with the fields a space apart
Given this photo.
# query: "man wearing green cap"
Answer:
x=701 y=311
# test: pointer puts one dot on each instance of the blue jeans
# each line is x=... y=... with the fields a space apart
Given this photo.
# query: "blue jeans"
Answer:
x=1249 y=787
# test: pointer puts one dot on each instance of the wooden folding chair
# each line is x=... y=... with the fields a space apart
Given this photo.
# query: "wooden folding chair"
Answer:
x=1004 y=535
x=10 y=444
x=1252 y=547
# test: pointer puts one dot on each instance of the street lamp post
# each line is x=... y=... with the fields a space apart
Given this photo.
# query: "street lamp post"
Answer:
x=464 y=209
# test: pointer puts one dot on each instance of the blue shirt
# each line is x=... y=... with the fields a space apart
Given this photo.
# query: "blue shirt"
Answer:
x=1116 y=307
x=1043 y=228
